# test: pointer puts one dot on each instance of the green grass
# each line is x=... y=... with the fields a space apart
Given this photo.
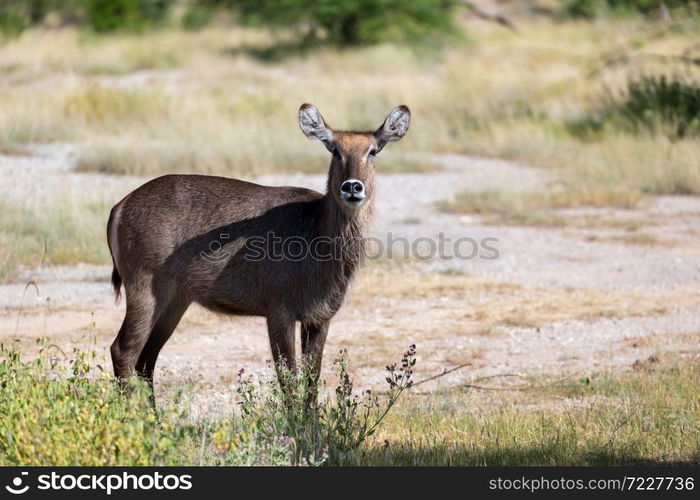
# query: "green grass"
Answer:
x=623 y=418
x=646 y=416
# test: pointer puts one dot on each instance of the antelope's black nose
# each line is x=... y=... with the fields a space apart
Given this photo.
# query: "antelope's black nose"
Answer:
x=353 y=188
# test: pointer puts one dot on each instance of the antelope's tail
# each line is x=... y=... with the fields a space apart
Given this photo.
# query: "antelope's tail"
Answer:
x=114 y=250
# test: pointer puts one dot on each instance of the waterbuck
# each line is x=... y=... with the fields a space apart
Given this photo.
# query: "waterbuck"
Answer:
x=180 y=239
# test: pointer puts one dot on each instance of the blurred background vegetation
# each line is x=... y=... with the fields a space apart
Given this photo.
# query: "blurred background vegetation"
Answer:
x=603 y=93
x=339 y=22
x=343 y=22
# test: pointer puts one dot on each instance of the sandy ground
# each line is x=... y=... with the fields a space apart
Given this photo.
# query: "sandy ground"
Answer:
x=556 y=301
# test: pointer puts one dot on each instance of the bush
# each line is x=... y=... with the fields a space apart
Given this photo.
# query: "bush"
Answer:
x=654 y=104
x=18 y=15
x=589 y=9
x=347 y=22
x=652 y=6
x=126 y=15
x=13 y=21
x=657 y=102
x=197 y=17
x=99 y=15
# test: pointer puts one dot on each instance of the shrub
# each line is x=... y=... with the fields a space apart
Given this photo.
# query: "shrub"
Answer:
x=654 y=104
x=657 y=101
x=155 y=11
x=126 y=15
x=197 y=17
x=652 y=6
x=347 y=22
x=18 y=15
x=13 y=20
x=589 y=9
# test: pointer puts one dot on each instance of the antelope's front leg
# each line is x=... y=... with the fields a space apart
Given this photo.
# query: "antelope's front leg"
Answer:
x=313 y=339
x=280 y=328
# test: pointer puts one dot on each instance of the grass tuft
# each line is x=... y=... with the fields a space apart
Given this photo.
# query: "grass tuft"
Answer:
x=536 y=208
x=41 y=233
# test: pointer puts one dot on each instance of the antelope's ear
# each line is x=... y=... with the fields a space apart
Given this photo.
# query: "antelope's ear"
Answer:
x=312 y=124
x=394 y=127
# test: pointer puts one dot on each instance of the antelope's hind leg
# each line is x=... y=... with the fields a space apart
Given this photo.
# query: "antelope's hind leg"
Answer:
x=162 y=330
x=152 y=312
x=140 y=317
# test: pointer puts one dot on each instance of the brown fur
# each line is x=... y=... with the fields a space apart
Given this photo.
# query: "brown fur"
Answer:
x=180 y=239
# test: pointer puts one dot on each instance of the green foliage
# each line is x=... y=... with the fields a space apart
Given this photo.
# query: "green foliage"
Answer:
x=73 y=414
x=350 y=22
x=100 y=15
x=126 y=15
x=657 y=101
x=18 y=15
x=589 y=9
x=338 y=22
x=197 y=17
x=651 y=6
x=654 y=104
x=13 y=21
x=60 y=410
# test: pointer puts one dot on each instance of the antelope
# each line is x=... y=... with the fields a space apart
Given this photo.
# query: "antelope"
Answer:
x=180 y=239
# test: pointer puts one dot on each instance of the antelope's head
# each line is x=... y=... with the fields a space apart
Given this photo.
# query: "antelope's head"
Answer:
x=351 y=179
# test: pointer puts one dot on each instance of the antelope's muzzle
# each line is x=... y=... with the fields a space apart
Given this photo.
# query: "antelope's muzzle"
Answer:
x=353 y=192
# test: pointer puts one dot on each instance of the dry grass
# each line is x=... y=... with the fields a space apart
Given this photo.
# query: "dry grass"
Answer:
x=537 y=208
x=642 y=239
x=142 y=103
x=479 y=307
x=407 y=284
x=208 y=157
x=222 y=110
x=60 y=230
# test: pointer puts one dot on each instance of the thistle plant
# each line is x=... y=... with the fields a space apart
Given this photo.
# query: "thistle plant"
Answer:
x=334 y=429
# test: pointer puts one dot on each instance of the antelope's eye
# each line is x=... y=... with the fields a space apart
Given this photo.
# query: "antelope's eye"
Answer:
x=372 y=152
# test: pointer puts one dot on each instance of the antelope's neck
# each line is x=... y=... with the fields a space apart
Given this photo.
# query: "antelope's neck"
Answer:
x=347 y=233
x=334 y=222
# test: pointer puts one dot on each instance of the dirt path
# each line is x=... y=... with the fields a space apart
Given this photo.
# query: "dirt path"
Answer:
x=556 y=301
